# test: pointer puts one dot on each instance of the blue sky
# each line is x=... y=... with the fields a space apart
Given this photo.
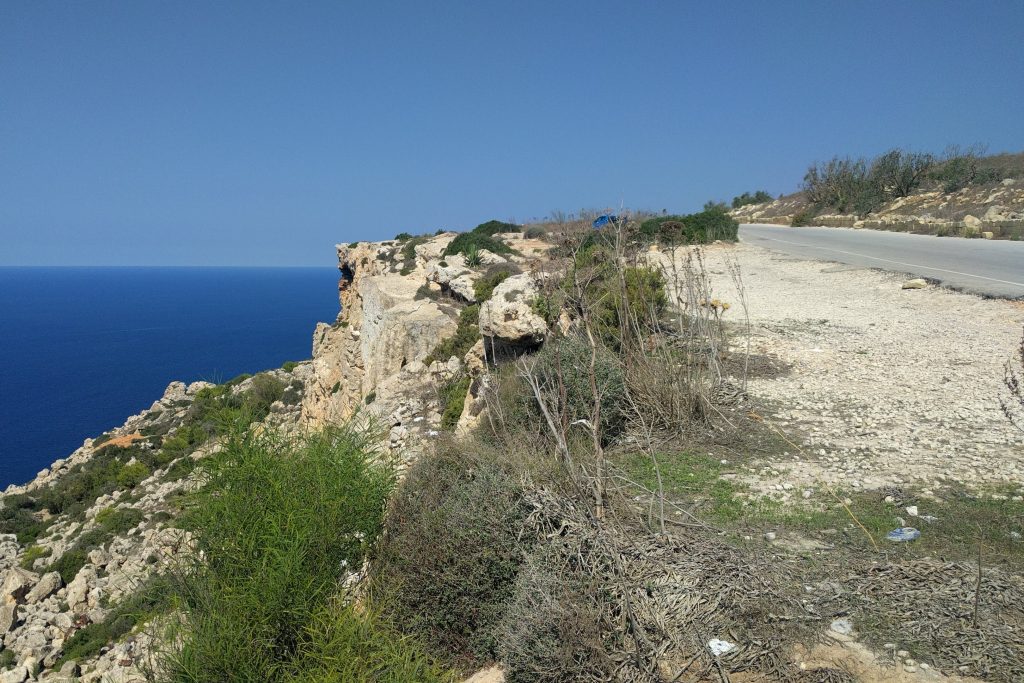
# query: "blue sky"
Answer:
x=259 y=133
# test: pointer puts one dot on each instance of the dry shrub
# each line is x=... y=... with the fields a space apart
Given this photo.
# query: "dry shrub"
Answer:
x=552 y=629
x=450 y=555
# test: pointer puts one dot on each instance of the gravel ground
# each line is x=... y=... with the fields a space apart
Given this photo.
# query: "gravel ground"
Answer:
x=888 y=386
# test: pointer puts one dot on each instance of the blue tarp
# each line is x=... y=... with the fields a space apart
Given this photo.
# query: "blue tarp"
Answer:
x=605 y=220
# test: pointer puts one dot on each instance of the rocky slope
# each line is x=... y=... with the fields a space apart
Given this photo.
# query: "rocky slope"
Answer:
x=994 y=210
x=92 y=532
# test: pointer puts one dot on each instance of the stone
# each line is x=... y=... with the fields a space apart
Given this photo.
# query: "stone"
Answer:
x=972 y=222
x=49 y=584
x=8 y=617
x=17 y=583
x=508 y=315
x=770 y=536
x=916 y=283
x=16 y=675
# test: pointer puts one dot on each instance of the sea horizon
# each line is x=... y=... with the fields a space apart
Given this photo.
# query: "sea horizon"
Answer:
x=88 y=346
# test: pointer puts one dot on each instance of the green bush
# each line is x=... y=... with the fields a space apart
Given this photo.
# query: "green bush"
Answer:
x=494 y=227
x=449 y=559
x=713 y=223
x=117 y=521
x=474 y=241
x=620 y=311
x=343 y=644
x=276 y=521
x=466 y=334
x=68 y=564
x=290 y=365
x=130 y=476
x=402 y=236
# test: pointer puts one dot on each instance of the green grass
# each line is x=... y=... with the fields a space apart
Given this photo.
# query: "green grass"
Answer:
x=964 y=521
x=453 y=399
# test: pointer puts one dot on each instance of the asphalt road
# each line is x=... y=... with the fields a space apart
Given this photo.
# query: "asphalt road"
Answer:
x=987 y=267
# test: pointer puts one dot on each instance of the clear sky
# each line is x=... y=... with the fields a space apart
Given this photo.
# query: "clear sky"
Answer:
x=261 y=133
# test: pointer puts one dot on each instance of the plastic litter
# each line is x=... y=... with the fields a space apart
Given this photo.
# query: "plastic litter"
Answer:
x=842 y=626
x=719 y=647
x=903 y=533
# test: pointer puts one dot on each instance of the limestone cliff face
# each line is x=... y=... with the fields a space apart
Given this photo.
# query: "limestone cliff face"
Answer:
x=381 y=329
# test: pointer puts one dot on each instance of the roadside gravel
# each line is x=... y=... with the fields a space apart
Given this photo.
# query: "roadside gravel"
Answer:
x=888 y=386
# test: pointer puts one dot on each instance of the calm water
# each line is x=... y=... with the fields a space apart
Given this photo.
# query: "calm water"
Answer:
x=81 y=349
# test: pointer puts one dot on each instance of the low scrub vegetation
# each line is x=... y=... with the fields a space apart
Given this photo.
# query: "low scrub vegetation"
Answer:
x=747 y=198
x=713 y=223
x=861 y=186
x=466 y=334
x=481 y=237
x=277 y=523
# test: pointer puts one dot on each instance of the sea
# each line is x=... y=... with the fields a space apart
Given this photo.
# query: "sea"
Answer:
x=82 y=349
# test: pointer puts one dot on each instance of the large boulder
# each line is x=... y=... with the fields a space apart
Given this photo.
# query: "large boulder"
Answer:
x=8 y=617
x=49 y=584
x=454 y=278
x=507 y=319
x=17 y=583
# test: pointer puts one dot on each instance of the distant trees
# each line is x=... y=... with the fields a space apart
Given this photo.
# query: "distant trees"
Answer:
x=860 y=185
x=759 y=197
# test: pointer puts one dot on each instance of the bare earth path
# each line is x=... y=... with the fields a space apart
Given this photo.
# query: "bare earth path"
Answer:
x=887 y=386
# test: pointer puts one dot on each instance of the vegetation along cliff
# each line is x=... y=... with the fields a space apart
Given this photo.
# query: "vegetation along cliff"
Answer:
x=521 y=453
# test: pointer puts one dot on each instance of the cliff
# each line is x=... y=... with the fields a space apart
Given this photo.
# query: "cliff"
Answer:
x=91 y=532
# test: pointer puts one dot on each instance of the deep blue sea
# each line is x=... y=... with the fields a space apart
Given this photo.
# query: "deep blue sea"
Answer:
x=81 y=349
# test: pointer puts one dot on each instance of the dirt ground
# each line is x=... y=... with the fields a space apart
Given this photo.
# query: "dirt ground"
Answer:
x=884 y=386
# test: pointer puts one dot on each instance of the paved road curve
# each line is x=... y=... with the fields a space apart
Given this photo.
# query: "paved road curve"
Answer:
x=988 y=267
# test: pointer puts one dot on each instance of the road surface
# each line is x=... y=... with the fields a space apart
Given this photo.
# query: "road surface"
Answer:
x=986 y=267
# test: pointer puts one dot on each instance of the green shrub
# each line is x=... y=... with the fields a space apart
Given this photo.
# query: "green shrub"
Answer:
x=17 y=516
x=7 y=659
x=450 y=556
x=473 y=257
x=290 y=365
x=117 y=521
x=402 y=236
x=483 y=287
x=130 y=476
x=453 y=400
x=475 y=241
x=619 y=312
x=370 y=397
x=68 y=564
x=494 y=227
x=713 y=223
x=277 y=521
x=33 y=553
x=466 y=334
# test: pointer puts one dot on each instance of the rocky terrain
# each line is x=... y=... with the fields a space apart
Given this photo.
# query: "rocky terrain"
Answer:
x=994 y=211
x=875 y=386
x=71 y=569
x=881 y=386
